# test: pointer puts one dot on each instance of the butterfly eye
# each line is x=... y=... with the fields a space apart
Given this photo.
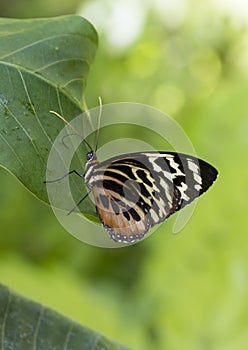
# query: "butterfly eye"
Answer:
x=89 y=156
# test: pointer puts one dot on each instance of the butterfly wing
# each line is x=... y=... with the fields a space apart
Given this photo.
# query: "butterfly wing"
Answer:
x=133 y=192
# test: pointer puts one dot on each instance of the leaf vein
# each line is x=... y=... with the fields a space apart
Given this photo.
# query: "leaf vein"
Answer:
x=50 y=82
x=33 y=108
x=27 y=134
x=71 y=81
x=68 y=335
x=37 y=327
x=12 y=150
x=5 y=318
x=38 y=70
x=94 y=344
x=23 y=48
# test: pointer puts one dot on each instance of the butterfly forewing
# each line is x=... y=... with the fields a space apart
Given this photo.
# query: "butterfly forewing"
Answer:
x=133 y=192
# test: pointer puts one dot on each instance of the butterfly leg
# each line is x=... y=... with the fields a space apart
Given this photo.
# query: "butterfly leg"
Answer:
x=78 y=203
x=62 y=177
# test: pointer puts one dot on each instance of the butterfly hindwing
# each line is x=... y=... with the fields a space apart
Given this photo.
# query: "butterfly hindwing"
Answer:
x=133 y=192
x=122 y=201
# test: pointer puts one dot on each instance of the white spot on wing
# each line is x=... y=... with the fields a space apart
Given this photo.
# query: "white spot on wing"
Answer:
x=197 y=178
x=175 y=166
x=192 y=166
x=195 y=169
x=156 y=167
x=198 y=187
x=183 y=188
x=154 y=215
x=167 y=189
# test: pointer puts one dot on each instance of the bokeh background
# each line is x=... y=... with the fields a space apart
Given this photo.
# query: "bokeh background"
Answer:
x=185 y=291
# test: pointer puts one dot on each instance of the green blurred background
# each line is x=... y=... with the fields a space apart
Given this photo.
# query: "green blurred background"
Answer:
x=184 y=291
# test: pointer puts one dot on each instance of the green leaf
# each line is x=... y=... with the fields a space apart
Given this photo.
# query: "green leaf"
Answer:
x=26 y=325
x=44 y=65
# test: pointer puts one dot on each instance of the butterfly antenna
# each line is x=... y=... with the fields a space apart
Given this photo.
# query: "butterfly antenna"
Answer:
x=99 y=122
x=65 y=121
x=72 y=127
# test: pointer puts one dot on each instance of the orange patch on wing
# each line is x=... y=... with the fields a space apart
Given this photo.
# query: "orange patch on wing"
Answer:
x=120 y=221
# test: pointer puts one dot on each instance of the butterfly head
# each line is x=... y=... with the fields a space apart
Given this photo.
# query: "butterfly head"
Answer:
x=90 y=156
x=91 y=159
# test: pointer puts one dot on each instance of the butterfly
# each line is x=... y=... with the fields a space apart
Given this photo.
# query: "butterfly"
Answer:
x=134 y=192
